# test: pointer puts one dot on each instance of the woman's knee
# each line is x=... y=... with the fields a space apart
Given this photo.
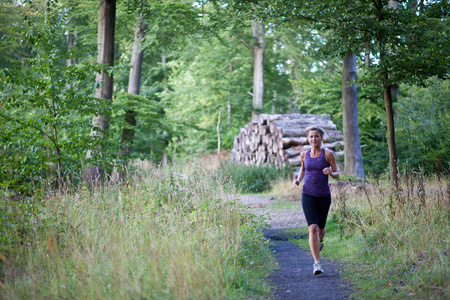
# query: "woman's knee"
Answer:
x=313 y=229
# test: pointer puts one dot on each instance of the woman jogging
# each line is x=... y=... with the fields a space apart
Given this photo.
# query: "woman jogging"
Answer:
x=317 y=165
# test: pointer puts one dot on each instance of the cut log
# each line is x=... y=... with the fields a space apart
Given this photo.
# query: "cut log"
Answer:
x=264 y=119
x=300 y=132
x=263 y=129
x=291 y=152
x=295 y=161
x=292 y=142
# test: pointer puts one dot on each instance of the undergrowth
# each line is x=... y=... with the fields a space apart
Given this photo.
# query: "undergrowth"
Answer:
x=166 y=236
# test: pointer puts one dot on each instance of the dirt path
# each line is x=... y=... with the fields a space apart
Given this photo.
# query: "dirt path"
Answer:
x=294 y=279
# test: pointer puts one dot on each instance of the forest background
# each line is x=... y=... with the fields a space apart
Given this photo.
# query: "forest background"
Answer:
x=90 y=89
x=197 y=80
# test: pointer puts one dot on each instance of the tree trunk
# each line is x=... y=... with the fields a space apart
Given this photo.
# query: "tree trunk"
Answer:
x=71 y=60
x=352 y=145
x=390 y=131
x=367 y=56
x=258 y=68
x=134 y=85
x=134 y=88
x=106 y=24
x=387 y=102
x=394 y=87
x=218 y=134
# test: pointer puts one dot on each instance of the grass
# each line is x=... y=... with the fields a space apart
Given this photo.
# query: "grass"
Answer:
x=393 y=245
x=165 y=236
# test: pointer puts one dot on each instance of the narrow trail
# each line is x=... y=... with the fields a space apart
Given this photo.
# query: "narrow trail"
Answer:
x=294 y=279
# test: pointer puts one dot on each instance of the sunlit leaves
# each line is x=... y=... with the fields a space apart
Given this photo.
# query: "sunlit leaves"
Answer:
x=44 y=122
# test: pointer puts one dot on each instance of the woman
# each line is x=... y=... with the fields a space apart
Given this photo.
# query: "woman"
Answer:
x=317 y=165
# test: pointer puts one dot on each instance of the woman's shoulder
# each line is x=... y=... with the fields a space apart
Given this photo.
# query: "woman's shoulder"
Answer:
x=328 y=153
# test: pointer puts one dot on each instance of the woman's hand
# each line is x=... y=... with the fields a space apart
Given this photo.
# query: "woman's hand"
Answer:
x=295 y=183
x=328 y=171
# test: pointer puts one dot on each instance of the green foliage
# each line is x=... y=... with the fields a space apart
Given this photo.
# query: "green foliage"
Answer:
x=152 y=129
x=11 y=50
x=201 y=88
x=423 y=127
x=170 y=24
x=251 y=179
x=213 y=75
x=320 y=95
x=44 y=122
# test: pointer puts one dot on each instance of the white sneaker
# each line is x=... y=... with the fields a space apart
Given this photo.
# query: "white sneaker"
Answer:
x=317 y=268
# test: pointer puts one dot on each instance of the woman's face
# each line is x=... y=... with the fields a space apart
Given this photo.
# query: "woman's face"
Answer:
x=314 y=138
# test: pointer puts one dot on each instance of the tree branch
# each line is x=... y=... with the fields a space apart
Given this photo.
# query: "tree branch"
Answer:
x=376 y=4
x=34 y=127
x=245 y=43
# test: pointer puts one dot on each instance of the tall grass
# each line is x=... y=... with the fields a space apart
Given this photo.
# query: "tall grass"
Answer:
x=167 y=236
x=398 y=244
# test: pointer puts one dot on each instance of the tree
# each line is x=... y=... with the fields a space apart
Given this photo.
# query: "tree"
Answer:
x=257 y=47
x=240 y=16
x=134 y=88
x=134 y=85
x=42 y=122
x=100 y=123
x=352 y=144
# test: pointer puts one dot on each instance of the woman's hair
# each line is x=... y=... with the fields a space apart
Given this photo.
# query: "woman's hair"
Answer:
x=317 y=128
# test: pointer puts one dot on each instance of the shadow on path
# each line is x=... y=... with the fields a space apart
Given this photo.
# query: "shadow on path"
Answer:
x=294 y=279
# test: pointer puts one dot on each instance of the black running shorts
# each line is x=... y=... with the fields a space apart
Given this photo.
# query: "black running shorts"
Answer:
x=316 y=209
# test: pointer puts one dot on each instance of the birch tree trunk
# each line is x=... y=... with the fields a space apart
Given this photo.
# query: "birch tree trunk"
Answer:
x=258 y=68
x=352 y=145
x=106 y=26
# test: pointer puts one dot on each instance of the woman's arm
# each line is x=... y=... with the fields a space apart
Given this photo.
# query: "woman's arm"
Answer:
x=332 y=170
x=301 y=174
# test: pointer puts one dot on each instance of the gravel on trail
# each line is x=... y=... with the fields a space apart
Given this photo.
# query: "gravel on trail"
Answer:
x=294 y=278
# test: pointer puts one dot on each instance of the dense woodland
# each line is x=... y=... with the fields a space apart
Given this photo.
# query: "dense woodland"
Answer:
x=86 y=85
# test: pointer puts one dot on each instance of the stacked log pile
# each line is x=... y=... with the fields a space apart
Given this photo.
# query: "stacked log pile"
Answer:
x=279 y=139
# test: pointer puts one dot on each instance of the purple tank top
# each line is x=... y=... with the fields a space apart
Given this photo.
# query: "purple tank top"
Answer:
x=316 y=183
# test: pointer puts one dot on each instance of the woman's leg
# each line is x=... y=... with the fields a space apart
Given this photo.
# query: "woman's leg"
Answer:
x=324 y=204
x=321 y=234
x=314 y=241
